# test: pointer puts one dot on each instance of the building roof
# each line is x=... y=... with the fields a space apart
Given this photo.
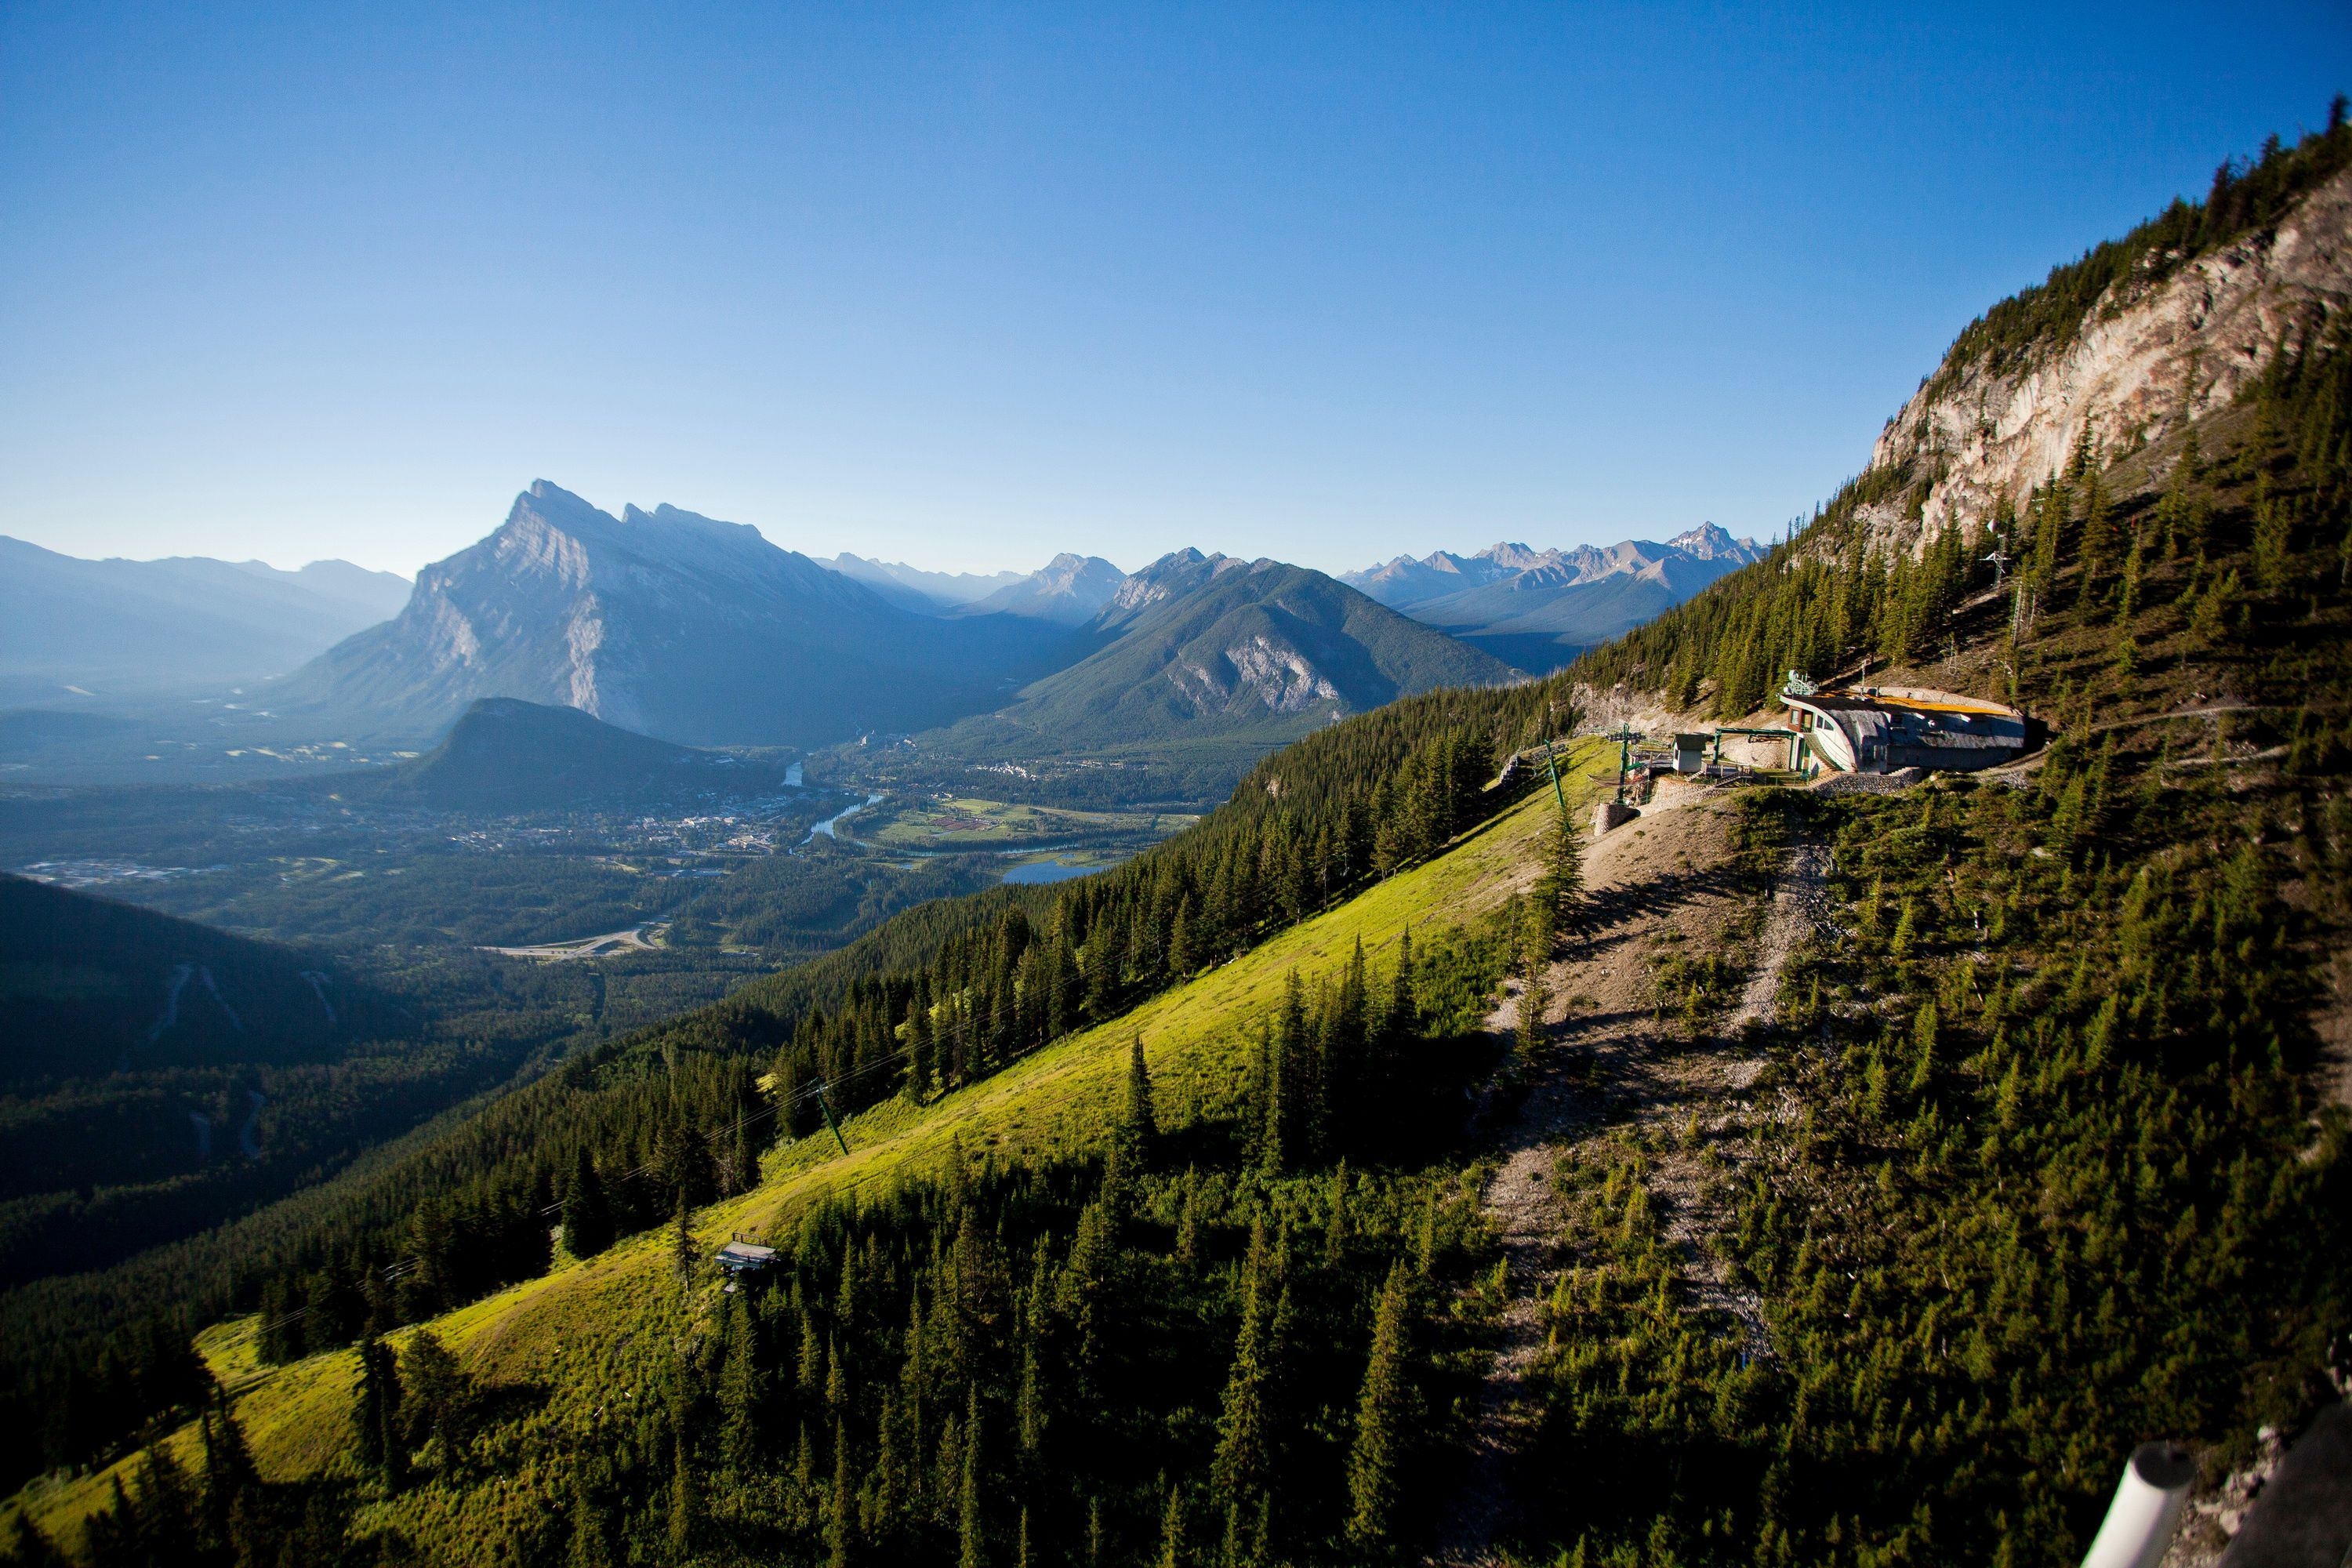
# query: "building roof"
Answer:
x=1876 y=700
x=745 y=1255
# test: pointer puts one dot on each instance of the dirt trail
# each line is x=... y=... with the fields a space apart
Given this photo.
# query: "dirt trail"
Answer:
x=1667 y=875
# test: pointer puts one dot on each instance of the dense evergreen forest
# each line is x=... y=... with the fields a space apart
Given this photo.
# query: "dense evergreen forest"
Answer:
x=2058 y=1174
x=2038 y=1165
x=168 y=1075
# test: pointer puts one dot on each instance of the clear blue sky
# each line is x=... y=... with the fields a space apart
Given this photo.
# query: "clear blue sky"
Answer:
x=970 y=284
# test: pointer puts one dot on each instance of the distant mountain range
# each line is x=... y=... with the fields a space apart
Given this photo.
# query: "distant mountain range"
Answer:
x=1196 y=646
x=912 y=588
x=1069 y=590
x=1537 y=609
x=669 y=624
x=701 y=632
x=114 y=626
x=679 y=631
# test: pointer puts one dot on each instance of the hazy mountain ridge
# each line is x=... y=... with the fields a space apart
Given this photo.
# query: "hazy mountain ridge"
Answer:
x=1067 y=590
x=666 y=623
x=114 y=623
x=1536 y=608
x=1070 y=589
x=913 y=588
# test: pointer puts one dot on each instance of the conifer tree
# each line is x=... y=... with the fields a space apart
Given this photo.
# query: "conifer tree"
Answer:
x=1342 y=1043
x=1385 y=1414
x=1137 y=1133
x=972 y=1543
x=32 y=1548
x=1560 y=893
x=1535 y=993
x=1296 y=1127
x=920 y=1068
x=913 y=1375
x=841 y=1507
x=1268 y=1112
x=1337 y=1232
x=685 y=1502
x=375 y=1413
x=2097 y=536
x=1182 y=960
x=1065 y=987
x=1174 y=1552
x=228 y=1480
x=331 y=1310
x=591 y=1545
x=681 y=1242
x=436 y=1395
x=809 y=1369
x=587 y=1217
x=1242 y=1468
x=1924 y=1029
x=1188 y=1222
x=1403 y=1016
x=742 y=1159
x=743 y=1390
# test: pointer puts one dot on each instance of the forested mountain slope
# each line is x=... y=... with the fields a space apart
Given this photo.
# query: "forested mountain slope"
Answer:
x=506 y=754
x=162 y=1076
x=1203 y=663
x=1208 y=645
x=2038 y=1157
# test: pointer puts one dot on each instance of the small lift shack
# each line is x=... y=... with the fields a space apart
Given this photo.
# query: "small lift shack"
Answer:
x=739 y=1257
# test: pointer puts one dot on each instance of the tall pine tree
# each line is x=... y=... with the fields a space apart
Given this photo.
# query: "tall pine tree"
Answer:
x=1385 y=1415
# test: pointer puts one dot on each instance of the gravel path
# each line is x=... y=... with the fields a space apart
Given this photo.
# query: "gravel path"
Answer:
x=1667 y=875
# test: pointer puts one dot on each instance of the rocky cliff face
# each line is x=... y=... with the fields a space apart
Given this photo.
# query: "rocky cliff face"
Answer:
x=2155 y=351
x=666 y=623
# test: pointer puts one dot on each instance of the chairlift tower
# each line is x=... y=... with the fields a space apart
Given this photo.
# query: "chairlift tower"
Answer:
x=1551 y=764
x=1625 y=737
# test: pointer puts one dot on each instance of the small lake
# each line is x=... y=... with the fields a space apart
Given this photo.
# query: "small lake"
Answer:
x=1050 y=871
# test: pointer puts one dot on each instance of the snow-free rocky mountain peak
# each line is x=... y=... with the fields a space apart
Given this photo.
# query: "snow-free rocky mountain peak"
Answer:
x=1069 y=590
x=667 y=623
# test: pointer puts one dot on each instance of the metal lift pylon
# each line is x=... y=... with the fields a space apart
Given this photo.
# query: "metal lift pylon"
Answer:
x=831 y=1125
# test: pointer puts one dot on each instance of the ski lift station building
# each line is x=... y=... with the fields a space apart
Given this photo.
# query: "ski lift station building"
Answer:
x=1878 y=730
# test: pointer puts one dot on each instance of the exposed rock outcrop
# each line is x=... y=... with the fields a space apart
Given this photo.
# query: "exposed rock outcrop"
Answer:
x=2154 y=350
x=668 y=623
